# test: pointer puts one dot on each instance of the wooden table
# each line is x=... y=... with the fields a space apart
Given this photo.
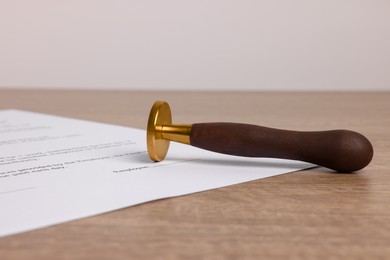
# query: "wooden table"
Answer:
x=312 y=214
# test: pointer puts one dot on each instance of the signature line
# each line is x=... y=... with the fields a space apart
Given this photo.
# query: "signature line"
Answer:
x=11 y=191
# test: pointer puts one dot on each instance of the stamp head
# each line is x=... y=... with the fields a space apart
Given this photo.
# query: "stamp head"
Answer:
x=160 y=114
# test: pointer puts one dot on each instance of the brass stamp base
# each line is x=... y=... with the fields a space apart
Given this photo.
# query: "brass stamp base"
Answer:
x=160 y=115
x=160 y=131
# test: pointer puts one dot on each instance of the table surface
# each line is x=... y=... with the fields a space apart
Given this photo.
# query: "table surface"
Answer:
x=311 y=214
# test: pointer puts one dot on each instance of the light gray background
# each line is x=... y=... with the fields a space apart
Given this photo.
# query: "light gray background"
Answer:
x=187 y=45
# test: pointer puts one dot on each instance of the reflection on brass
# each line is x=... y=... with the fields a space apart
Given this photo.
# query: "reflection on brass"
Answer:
x=160 y=131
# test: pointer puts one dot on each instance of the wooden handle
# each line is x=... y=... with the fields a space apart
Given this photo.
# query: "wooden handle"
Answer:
x=340 y=150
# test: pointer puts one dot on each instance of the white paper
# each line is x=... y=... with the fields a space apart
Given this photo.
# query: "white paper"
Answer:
x=55 y=169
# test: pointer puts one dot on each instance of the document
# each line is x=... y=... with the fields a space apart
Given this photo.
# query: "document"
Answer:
x=55 y=169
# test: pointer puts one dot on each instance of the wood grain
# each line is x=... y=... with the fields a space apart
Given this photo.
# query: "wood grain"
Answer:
x=312 y=214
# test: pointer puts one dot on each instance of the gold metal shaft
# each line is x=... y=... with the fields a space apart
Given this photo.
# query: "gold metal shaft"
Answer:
x=176 y=133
